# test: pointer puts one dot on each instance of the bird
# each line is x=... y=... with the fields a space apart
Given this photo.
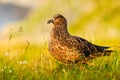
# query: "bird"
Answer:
x=67 y=48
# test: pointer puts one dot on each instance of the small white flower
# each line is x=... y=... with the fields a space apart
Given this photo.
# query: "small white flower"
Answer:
x=6 y=53
x=23 y=62
x=4 y=67
x=10 y=71
x=2 y=70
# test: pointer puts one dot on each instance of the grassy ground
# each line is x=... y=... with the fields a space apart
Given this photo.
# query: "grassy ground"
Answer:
x=33 y=62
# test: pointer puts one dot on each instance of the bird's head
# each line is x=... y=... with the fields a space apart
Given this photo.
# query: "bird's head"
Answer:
x=58 y=21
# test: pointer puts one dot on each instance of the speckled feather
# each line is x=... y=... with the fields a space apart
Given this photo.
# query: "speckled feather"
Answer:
x=67 y=48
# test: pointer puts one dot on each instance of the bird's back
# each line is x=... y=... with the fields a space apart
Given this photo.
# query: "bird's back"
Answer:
x=88 y=49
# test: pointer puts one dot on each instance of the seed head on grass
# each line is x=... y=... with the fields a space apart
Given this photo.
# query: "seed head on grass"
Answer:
x=20 y=29
x=10 y=35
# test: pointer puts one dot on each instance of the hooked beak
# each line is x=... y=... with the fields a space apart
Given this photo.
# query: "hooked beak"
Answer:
x=50 y=21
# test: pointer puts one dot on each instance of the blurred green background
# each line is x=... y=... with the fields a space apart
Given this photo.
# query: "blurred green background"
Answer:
x=96 y=20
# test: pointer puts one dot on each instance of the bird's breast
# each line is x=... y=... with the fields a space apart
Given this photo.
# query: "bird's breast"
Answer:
x=63 y=50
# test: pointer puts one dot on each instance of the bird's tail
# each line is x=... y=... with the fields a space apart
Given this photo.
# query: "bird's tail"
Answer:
x=107 y=52
x=104 y=50
x=101 y=48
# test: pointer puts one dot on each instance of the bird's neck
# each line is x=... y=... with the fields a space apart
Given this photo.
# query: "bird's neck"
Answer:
x=59 y=32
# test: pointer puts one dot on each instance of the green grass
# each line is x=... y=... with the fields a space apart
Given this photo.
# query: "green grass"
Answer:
x=36 y=63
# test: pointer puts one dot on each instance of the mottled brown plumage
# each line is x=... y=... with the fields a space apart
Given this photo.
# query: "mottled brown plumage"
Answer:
x=67 y=48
